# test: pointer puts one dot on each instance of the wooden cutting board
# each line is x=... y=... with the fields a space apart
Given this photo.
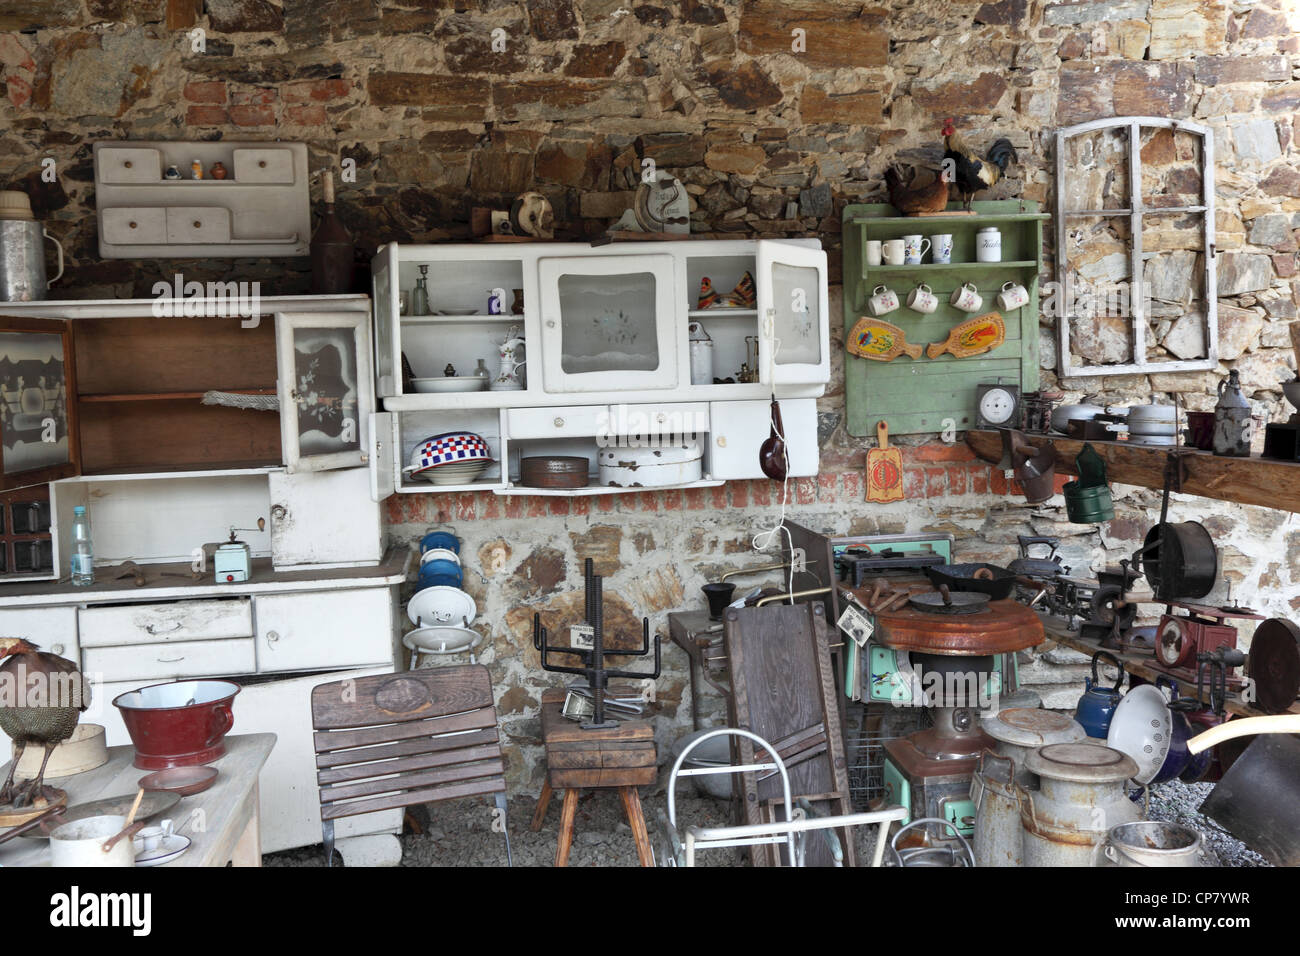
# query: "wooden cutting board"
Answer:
x=884 y=469
x=872 y=338
x=973 y=337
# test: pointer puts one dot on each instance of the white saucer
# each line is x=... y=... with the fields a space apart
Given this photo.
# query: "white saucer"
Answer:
x=442 y=639
x=441 y=604
x=168 y=849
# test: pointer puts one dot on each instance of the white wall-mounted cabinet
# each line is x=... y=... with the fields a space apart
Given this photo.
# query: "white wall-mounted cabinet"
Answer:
x=607 y=350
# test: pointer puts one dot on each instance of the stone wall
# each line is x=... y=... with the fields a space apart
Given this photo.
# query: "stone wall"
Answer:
x=441 y=113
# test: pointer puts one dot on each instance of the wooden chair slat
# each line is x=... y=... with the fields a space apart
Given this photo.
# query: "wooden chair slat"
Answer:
x=410 y=781
x=387 y=768
x=360 y=756
x=392 y=698
x=467 y=788
x=415 y=727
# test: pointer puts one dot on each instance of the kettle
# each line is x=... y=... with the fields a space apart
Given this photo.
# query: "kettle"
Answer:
x=22 y=255
x=1097 y=705
x=1233 y=425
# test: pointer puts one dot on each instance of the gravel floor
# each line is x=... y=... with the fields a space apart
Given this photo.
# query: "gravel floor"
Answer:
x=458 y=833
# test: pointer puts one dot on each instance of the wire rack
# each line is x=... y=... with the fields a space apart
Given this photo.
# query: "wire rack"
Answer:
x=867 y=728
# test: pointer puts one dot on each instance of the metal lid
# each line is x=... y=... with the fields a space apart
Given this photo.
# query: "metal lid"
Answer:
x=1027 y=727
x=1081 y=763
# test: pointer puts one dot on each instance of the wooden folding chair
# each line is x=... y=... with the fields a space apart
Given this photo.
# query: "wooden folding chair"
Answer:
x=396 y=740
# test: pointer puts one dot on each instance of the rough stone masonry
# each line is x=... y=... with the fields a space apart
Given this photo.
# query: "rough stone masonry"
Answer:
x=438 y=115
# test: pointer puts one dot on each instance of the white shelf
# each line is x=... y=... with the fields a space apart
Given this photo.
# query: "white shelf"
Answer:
x=723 y=313
x=601 y=489
x=454 y=319
x=528 y=398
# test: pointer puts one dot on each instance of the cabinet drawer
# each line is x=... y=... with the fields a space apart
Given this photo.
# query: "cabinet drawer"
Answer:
x=577 y=421
x=671 y=418
x=198 y=224
x=165 y=623
x=263 y=166
x=52 y=629
x=346 y=628
x=135 y=225
x=126 y=165
x=162 y=662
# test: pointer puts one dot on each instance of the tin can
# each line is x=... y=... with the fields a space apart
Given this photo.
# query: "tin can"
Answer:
x=988 y=245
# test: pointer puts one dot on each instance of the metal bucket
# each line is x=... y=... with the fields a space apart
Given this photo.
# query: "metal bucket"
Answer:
x=1153 y=843
x=999 y=837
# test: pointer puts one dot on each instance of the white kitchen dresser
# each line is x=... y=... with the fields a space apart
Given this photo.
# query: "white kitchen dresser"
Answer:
x=608 y=352
x=321 y=602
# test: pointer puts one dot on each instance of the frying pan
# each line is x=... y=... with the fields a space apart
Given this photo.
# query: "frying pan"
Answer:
x=987 y=579
x=944 y=601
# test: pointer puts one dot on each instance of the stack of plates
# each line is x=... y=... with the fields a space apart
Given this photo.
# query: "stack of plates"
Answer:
x=460 y=473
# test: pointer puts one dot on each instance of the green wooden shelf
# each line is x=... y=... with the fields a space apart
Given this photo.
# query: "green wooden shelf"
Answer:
x=930 y=395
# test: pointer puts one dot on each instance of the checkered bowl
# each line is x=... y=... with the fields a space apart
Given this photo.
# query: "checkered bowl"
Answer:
x=451 y=448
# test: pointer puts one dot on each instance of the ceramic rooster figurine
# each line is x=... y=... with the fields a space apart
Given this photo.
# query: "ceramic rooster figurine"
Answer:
x=41 y=699
x=968 y=170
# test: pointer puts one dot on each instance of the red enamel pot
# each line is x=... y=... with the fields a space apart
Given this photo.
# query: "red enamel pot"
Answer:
x=178 y=724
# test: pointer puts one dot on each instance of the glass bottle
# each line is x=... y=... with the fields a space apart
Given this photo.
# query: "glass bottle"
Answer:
x=83 y=554
x=420 y=294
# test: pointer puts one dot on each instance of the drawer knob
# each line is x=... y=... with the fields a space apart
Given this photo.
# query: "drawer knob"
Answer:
x=278 y=512
x=559 y=423
x=722 y=441
x=127 y=164
x=57 y=648
x=261 y=164
x=132 y=224
x=272 y=636
x=198 y=224
x=661 y=418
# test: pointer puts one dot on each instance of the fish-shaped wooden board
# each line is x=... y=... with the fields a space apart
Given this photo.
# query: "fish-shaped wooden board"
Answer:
x=973 y=337
x=877 y=339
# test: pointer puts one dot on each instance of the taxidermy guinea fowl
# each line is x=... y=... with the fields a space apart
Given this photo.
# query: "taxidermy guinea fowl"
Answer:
x=911 y=200
x=969 y=172
x=41 y=699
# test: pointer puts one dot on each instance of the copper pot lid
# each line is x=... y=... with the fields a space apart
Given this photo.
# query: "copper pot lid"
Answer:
x=1004 y=627
x=1081 y=763
x=1029 y=727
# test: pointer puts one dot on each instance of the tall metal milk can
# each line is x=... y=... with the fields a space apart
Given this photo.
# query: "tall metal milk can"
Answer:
x=1081 y=796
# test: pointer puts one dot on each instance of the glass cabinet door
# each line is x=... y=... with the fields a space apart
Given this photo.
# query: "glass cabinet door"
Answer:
x=607 y=323
x=325 y=389
x=793 y=314
x=38 y=403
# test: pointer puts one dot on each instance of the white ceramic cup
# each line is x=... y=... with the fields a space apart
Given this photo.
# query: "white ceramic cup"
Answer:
x=914 y=249
x=872 y=252
x=942 y=248
x=892 y=252
x=966 y=298
x=882 y=301
x=1012 y=296
x=922 y=300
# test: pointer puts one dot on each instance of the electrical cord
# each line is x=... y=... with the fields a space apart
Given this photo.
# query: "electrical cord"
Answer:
x=764 y=539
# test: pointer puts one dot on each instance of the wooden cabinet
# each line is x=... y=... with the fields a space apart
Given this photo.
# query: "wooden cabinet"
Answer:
x=607 y=350
x=937 y=395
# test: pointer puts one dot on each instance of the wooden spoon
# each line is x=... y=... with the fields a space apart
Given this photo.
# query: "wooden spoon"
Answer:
x=129 y=828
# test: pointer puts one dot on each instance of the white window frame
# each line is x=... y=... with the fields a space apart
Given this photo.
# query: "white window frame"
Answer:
x=1135 y=212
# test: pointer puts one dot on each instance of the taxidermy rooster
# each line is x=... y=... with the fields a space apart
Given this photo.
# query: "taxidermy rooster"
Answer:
x=969 y=172
x=41 y=699
x=910 y=200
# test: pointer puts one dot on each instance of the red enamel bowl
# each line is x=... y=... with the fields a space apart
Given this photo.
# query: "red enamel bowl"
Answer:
x=178 y=724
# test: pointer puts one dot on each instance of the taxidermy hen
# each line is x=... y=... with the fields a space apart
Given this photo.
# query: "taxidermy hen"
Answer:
x=969 y=172
x=909 y=200
x=41 y=699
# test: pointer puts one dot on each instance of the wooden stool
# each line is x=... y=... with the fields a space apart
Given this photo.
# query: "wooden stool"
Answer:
x=620 y=757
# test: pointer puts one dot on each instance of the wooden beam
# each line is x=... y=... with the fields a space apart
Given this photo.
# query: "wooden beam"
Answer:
x=1247 y=481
